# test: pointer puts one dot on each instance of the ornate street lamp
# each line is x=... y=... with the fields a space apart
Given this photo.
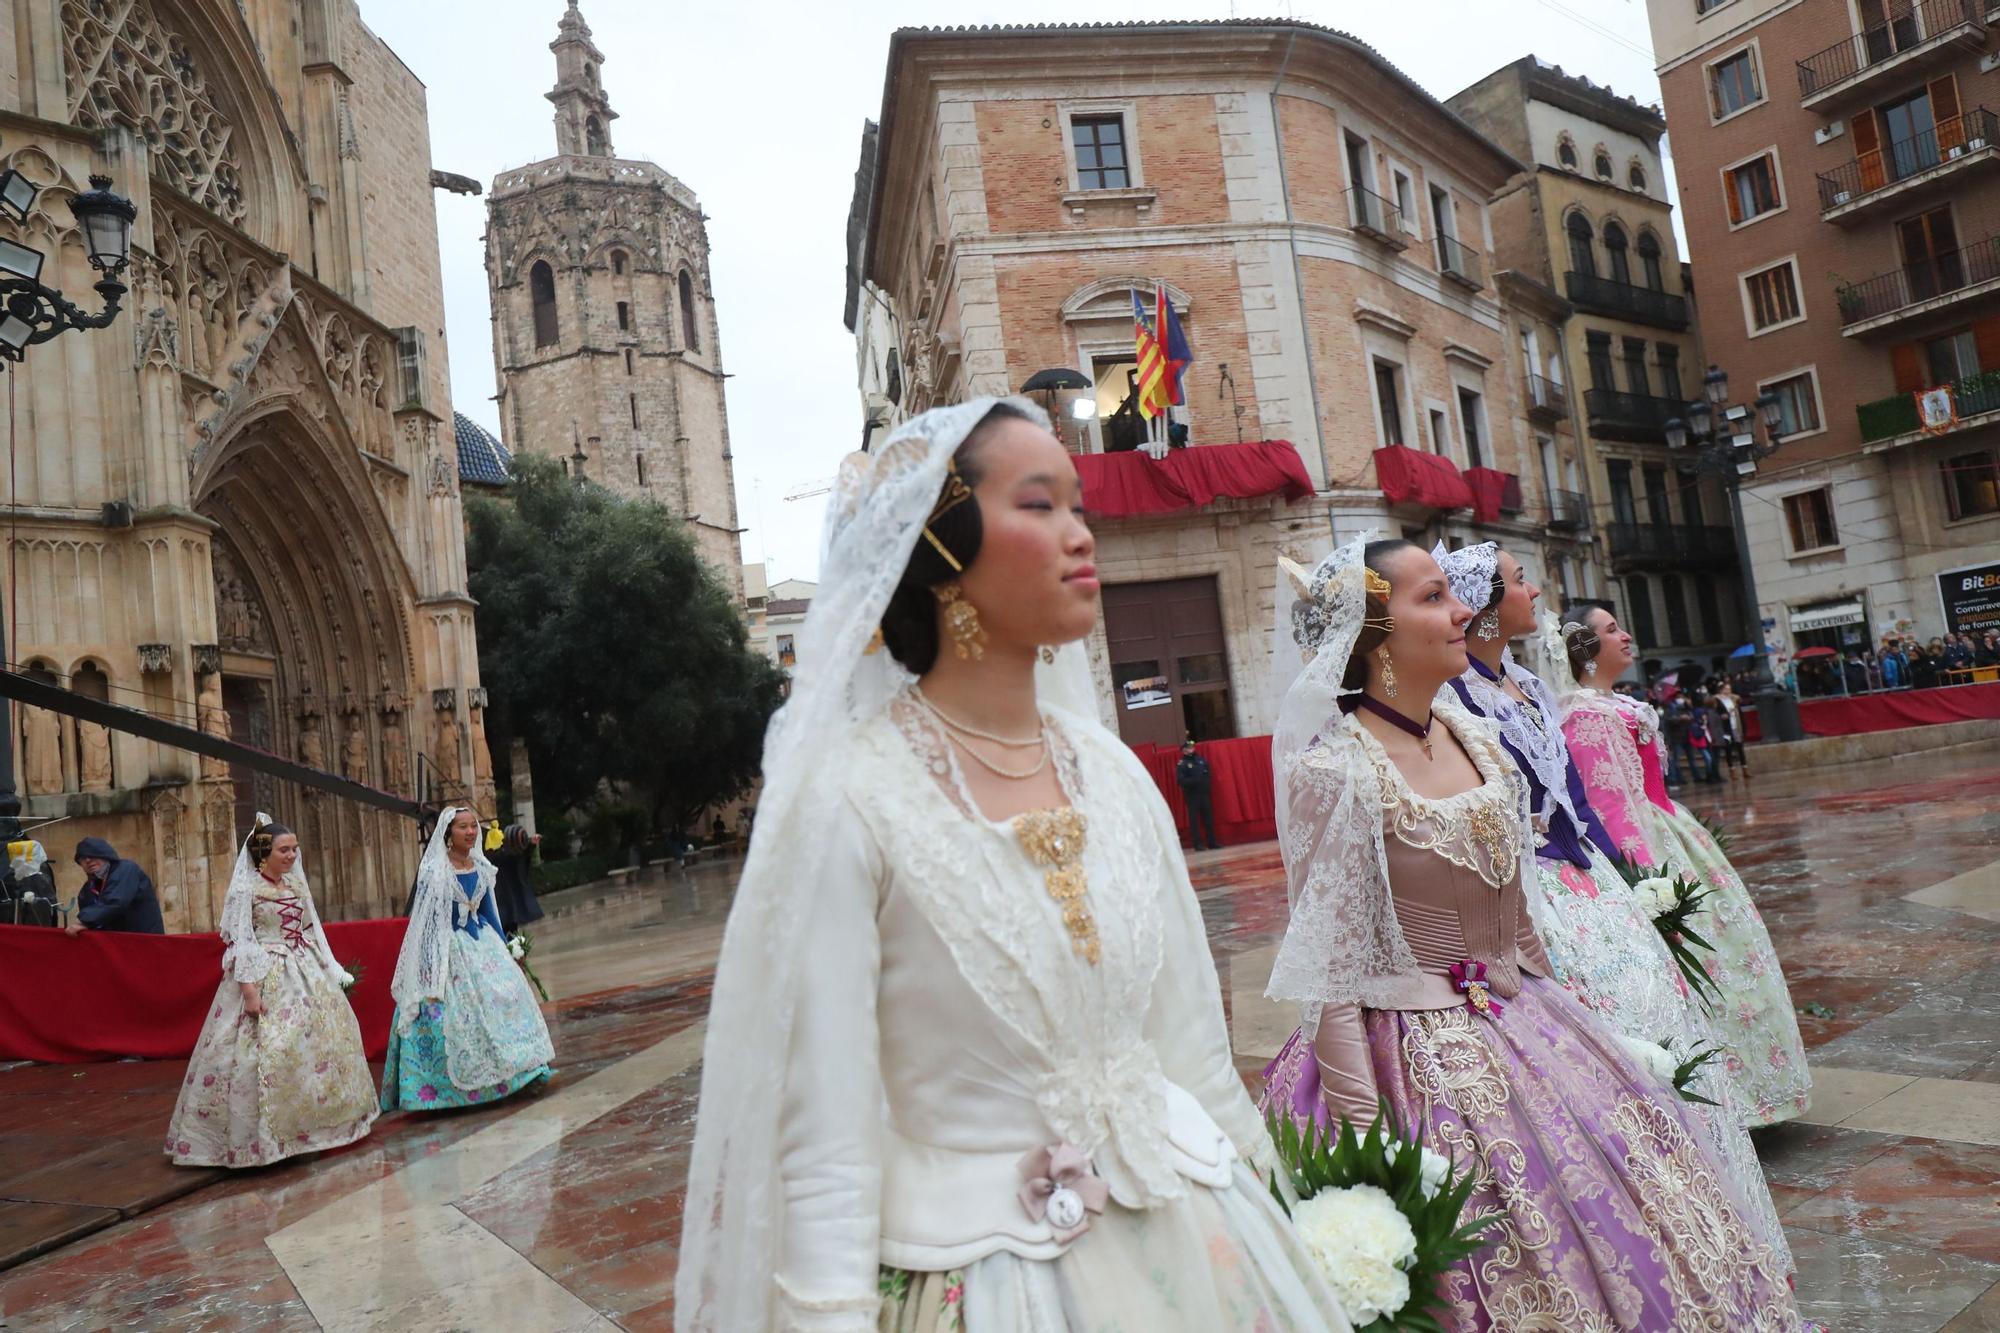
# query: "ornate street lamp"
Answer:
x=1720 y=439
x=31 y=313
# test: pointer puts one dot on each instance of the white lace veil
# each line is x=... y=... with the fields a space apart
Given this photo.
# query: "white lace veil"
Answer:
x=423 y=968
x=243 y=955
x=880 y=504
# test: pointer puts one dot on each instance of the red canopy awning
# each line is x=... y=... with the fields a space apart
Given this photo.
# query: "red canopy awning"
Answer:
x=1493 y=493
x=1411 y=476
x=1123 y=484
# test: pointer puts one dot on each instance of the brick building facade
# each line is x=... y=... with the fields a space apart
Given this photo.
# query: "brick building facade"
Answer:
x=1835 y=160
x=1320 y=224
x=605 y=342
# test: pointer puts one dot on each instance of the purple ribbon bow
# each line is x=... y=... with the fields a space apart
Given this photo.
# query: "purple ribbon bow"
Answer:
x=1059 y=1187
x=1470 y=977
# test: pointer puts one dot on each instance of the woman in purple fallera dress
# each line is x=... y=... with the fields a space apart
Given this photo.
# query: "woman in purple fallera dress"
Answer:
x=1424 y=986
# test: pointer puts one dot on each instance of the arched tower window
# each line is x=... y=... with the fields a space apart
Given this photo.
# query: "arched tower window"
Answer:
x=1566 y=152
x=1602 y=162
x=690 y=332
x=1614 y=250
x=593 y=137
x=1581 y=258
x=1649 y=261
x=617 y=263
x=1635 y=176
x=542 y=290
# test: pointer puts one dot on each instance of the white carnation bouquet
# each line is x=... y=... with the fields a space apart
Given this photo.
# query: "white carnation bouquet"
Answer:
x=519 y=945
x=1379 y=1213
x=1672 y=902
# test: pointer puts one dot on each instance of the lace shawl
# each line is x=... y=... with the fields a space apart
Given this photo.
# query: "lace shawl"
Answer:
x=423 y=967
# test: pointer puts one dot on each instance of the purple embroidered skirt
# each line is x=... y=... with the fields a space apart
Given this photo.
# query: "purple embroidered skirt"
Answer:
x=1615 y=1214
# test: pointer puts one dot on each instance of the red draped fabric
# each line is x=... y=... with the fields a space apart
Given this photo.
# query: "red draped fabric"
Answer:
x=1239 y=786
x=1493 y=492
x=1891 y=709
x=1411 y=476
x=107 y=994
x=1127 y=483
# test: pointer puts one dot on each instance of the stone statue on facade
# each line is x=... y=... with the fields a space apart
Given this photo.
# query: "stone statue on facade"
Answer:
x=41 y=752
x=93 y=745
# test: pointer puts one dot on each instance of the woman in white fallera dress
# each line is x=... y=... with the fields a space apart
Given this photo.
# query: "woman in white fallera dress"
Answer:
x=279 y=1068
x=967 y=1065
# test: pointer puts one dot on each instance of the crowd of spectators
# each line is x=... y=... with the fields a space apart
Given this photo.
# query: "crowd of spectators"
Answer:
x=1899 y=663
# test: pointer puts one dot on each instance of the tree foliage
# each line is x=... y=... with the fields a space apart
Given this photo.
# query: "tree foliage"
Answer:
x=611 y=649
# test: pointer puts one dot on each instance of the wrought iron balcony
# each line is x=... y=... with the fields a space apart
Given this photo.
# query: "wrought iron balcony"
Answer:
x=1568 y=512
x=1949 y=279
x=1546 y=398
x=1679 y=544
x=1874 y=179
x=1631 y=416
x=1915 y=35
x=1460 y=264
x=1376 y=217
x=1622 y=300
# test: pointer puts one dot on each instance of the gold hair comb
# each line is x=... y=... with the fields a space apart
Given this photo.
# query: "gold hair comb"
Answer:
x=955 y=493
x=1377 y=586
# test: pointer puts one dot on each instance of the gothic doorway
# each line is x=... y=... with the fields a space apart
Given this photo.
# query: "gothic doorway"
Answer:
x=248 y=703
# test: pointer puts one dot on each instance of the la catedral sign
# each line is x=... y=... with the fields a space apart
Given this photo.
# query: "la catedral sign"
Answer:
x=1971 y=599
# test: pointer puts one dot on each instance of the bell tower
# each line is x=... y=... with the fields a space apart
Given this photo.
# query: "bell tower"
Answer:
x=583 y=112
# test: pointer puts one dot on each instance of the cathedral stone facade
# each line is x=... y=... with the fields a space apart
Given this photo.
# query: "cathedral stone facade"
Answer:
x=238 y=507
x=604 y=331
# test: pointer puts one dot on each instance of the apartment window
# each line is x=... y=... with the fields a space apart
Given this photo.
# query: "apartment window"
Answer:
x=1972 y=484
x=1469 y=410
x=542 y=294
x=1952 y=357
x=1659 y=500
x=1581 y=258
x=633 y=400
x=1614 y=251
x=1618 y=472
x=1691 y=501
x=1566 y=152
x=787 y=650
x=1640 y=602
x=1389 y=390
x=1602 y=163
x=1440 y=435
x=1635 y=176
x=1669 y=357
x=1932 y=264
x=1774 y=296
x=1910 y=129
x=1358 y=175
x=1677 y=611
x=1733 y=84
x=1798 y=404
x=628 y=361
x=1100 y=152
x=1752 y=188
x=1809 y=515
x=1710 y=608
x=1635 y=367
x=1598 y=353
x=1406 y=204
x=1649 y=261
x=624 y=315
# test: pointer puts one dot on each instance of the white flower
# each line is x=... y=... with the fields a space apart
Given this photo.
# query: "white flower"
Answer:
x=29 y=897
x=1656 y=895
x=1362 y=1243
x=1435 y=1170
x=346 y=978
x=515 y=949
x=1657 y=1059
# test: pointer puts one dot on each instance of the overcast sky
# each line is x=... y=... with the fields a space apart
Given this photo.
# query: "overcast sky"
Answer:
x=758 y=109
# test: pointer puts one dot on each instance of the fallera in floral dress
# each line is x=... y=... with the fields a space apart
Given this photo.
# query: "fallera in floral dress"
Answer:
x=261 y=1088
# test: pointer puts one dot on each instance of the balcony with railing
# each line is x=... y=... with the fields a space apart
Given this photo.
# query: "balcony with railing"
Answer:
x=1622 y=300
x=1460 y=263
x=1916 y=36
x=1546 y=399
x=1630 y=416
x=1974 y=401
x=1568 y=512
x=1680 y=544
x=1377 y=218
x=1941 y=282
x=1890 y=176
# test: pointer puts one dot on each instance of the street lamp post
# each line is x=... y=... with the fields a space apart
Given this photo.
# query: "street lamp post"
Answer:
x=1721 y=439
x=32 y=313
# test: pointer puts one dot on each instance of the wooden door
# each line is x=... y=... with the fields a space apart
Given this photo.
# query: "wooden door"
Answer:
x=1169 y=664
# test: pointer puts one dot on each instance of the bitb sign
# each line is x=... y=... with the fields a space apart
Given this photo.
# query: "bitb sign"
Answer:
x=1971 y=599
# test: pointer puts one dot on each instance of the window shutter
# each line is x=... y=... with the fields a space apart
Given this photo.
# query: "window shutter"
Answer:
x=1907 y=359
x=1867 y=150
x=1986 y=342
x=1944 y=109
x=1732 y=195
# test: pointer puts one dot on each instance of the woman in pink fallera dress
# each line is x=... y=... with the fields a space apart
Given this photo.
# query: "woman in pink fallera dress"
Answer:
x=1615 y=743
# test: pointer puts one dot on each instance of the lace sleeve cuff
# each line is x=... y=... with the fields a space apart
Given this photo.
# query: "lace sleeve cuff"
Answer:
x=840 y=1314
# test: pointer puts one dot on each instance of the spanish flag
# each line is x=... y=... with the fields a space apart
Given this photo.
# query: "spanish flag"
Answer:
x=1153 y=388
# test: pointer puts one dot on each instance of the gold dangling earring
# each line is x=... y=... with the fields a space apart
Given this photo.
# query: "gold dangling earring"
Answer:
x=961 y=621
x=1388 y=673
x=1048 y=655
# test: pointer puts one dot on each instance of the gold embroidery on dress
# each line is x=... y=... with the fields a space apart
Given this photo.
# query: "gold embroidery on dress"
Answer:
x=1053 y=839
x=1478 y=830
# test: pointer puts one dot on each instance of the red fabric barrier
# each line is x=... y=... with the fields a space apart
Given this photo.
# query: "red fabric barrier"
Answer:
x=1239 y=786
x=1124 y=484
x=1891 y=709
x=1411 y=476
x=105 y=994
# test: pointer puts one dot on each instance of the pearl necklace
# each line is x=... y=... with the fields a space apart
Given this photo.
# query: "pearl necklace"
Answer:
x=956 y=732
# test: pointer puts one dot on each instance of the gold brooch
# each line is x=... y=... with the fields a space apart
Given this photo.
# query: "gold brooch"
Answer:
x=1054 y=840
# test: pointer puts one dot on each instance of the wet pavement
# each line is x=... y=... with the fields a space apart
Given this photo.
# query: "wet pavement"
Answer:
x=1880 y=883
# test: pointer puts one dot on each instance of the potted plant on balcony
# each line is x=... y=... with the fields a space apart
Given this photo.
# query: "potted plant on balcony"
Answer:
x=1846 y=296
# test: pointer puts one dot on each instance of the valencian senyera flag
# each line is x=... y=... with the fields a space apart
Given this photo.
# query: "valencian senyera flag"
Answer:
x=1163 y=353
